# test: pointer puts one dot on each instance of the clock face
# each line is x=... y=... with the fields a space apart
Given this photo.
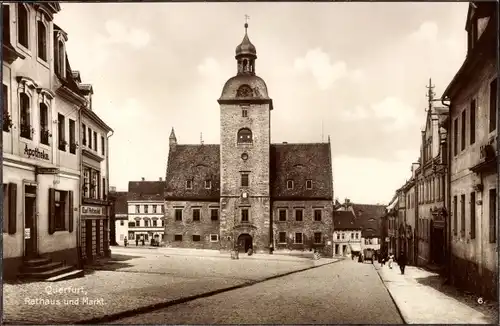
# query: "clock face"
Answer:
x=245 y=195
x=244 y=156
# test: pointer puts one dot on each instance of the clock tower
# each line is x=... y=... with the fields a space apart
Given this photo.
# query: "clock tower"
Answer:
x=245 y=120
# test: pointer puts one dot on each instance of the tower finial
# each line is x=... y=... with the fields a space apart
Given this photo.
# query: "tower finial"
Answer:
x=430 y=94
x=246 y=22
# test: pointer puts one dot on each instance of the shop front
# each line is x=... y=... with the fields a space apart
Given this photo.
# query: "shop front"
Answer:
x=94 y=233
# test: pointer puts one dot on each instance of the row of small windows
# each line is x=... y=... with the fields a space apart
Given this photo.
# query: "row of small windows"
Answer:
x=208 y=184
x=290 y=184
x=298 y=238
x=196 y=237
x=87 y=135
x=245 y=182
x=299 y=215
x=154 y=209
x=196 y=214
x=342 y=235
x=146 y=223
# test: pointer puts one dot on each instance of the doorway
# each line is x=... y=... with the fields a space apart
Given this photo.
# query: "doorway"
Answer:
x=245 y=242
x=437 y=246
x=88 y=239
x=337 y=249
x=30 y=221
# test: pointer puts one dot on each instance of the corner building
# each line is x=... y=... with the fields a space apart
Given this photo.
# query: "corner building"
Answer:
x=247 y=191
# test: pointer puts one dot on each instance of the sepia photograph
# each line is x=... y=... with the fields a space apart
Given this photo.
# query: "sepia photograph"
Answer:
x=250 y=163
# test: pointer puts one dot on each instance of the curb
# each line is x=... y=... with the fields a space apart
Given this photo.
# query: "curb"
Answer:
x=403 y=316
x=161 y=305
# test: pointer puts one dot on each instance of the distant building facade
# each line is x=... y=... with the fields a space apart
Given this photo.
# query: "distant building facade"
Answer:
x=346 y=234
x=247 y=192
x=473 y=158
x=119 y=216
x=145 y=211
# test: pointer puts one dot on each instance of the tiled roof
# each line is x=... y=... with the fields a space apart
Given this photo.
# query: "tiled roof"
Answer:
x=299 y=162
x=146 y=190
x=369 y=217
x=344 y=220
x=120 y=198
x=196 y=163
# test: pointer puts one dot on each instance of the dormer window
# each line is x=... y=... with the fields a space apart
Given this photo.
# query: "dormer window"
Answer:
x=309 y=184
x=208 y=184
x=244 y=112
x=189 y=184
x=244 y=136
x=289 y=184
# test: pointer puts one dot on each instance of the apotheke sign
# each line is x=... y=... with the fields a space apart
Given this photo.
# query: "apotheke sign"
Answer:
x=91 y=210
x=36 y=153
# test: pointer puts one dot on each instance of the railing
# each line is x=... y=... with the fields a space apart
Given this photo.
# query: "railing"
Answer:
x=26 y=131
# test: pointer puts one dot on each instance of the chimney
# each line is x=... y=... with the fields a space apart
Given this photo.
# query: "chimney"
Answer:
x=143 y=179
x=161 y=179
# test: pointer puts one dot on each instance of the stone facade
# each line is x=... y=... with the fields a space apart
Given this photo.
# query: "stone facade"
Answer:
x=473 y=162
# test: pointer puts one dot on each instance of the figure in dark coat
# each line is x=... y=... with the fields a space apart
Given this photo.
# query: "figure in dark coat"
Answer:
x=402 y=262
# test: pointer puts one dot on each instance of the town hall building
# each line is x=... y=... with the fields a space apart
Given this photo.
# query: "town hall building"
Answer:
x=247 y=192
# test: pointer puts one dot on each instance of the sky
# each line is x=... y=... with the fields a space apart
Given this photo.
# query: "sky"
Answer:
x=356 y=72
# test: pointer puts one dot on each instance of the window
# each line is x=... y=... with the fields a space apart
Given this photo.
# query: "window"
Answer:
x=455 y=136
x=23 y=25
x=462 y=132
x=146 y=209
x=103 y=151
x=60 y=209
x=196 y=237
x=317 y=237
x=137 y=209
x=289 y=184
x=214 y=238
x=60 y=59
x=357 y=235
x=208 y=184
x=95 y=141
x=214 y=214
x=7 y=121
x=493 y=215
x=84 y=134
x=298 y=215
x=86 y=182
x=72 y=137
x=189 y=184
x=154 y=209
x=44 y=124
x=90 y=137
x=244 y=136
x=6 y=23
x=282 y=237
x=61 y=132
x=178 y=214
x=338 y=236
x=137 y=223
x=122 y=222
x=155 y=223
x=317 y=215
x=472 y=215
x=343 y=236
x=352 y=235
x=196 y=215
x=472 y=122
x=178 y=237
x=244 y=113
x=104 y=189
x=42 y=40
x=282 y=215
x=162 y=209
x=298 y=237
x=244 y=180
x=309 y=184
x=94 y=184
x=244 y=215
x=146 y=222
x=493 y=104
x=455 y=216
x=462 y=214
x=25 y=113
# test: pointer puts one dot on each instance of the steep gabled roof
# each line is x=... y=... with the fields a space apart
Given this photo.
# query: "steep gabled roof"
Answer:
x=369 y=217
x=345 y=220
x=301 y=162
x=196 y=163
x=120 y=198
x=146 y=190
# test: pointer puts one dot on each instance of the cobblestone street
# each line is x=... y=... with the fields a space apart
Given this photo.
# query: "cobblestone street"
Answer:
x=137 y=278
x=342 y=293
x=422 y=298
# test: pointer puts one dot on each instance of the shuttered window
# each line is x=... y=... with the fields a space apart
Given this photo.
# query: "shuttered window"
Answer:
x=9 y=208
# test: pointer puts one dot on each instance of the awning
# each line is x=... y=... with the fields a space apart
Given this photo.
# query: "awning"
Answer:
x=355 y=246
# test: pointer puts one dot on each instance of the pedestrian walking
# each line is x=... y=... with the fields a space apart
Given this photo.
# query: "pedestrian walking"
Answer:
x=391 y=260
x=136 y=241
x=402 y=260
x=125 y=241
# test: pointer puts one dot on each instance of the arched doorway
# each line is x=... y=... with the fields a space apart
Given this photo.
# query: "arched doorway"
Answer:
x=245 y=242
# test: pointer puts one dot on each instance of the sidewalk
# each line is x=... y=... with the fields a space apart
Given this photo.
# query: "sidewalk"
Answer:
x=420 y=302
